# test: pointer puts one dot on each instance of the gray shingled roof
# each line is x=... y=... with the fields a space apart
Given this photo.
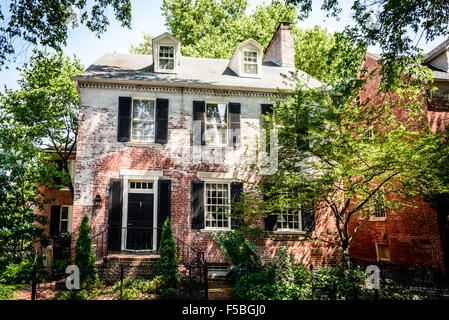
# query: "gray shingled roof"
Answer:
x=436 y=51
x=193 y=73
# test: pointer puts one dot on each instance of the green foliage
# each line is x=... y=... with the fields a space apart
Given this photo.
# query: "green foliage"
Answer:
x=132 y=288
x=145 y=47
x=84 y=255
x=7 y=292
x=46 y=106
x=331 y=58
x=393 y=26
x=169 y=294
x=236 y=248
x=87 y=291
x=167 y=264
x=283 y=266
x=213 y=28
x=18 y=272
x=339 y=283
x=47 y=23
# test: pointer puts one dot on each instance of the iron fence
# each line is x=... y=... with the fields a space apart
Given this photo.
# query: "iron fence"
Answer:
x=120 y=281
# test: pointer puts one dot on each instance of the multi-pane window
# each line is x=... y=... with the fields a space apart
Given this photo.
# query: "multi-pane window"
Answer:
x=217 y=206
x=288 y=213
x=64 y=219
x=143 y=120
x=250 y=62
x=379 y=205
x=166 y=57
x=141 y=187
x=289 y=219
x=216 y=123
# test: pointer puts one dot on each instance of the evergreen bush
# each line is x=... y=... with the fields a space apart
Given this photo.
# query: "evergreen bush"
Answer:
x=167 y=265
x=84 y=255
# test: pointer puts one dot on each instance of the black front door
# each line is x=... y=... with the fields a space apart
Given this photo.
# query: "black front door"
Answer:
x=140 y=221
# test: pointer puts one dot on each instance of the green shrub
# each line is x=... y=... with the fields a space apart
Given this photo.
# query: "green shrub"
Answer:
x=7 y=292
x=156 y=285
x=167 y=264
x=84 y=255
x=132 y=288
x=302 y=275
x=236 y=248
x=169 y=294
x=284 y=271
x=18 y=272
x=339 y=283
x=89 y=290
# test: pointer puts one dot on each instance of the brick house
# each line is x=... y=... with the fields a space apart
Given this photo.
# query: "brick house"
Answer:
x=168 y=136
x=417 y=235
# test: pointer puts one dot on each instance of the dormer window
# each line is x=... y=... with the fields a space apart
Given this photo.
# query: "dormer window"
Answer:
x=247 y=59
x=250 y=62
x=166 y=53
x=167 y=57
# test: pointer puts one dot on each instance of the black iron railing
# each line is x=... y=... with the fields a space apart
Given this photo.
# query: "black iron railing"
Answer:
x=138 y=240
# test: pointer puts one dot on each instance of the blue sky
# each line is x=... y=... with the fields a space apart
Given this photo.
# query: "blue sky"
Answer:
x=147 y=17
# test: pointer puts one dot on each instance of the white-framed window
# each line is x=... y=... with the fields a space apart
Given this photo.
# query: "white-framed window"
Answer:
x=166 y=57
x=216 y=123
x=217 y=206
x=65 y=219
x=143 y=116
x=141 y=186
x=289 y=220
x=250 y=63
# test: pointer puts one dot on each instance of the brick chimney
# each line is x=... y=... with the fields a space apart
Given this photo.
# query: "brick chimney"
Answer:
x=281 y=49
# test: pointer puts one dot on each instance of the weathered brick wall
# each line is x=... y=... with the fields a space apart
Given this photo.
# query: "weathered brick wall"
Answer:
x=411 y=232
x=281 y=49
x=100 y=157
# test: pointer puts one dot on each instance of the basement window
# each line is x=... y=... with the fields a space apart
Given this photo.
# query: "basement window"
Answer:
x=383 y=252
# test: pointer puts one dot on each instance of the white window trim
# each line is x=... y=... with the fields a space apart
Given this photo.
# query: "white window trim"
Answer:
x=141 y=175
x=148 y=121
x=69 y=219
x=258 y=64
x=159 y=57
x=216 y=181
x=291 y=230
x=206 y=123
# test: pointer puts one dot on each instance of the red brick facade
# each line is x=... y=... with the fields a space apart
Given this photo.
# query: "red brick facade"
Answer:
x=412 y=233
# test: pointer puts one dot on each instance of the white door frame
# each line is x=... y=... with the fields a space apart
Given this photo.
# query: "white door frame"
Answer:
x=141 y=175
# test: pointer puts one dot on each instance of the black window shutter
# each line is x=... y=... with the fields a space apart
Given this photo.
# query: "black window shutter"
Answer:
x=58 y=180
x=55 y=212
x=163 y=205
x=115 y=214
x=266 y=109
x=271 y=219
x=308 y=217
x=236 y=196
x=124 y=119
x=199 y=107
x=197 y=189
x=234 y=124
x=161 y=128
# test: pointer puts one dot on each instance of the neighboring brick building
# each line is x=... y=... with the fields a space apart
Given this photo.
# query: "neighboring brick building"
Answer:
x=418 y=234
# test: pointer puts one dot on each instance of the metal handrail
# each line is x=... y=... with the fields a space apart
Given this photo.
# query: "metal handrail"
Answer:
x=182 y=246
